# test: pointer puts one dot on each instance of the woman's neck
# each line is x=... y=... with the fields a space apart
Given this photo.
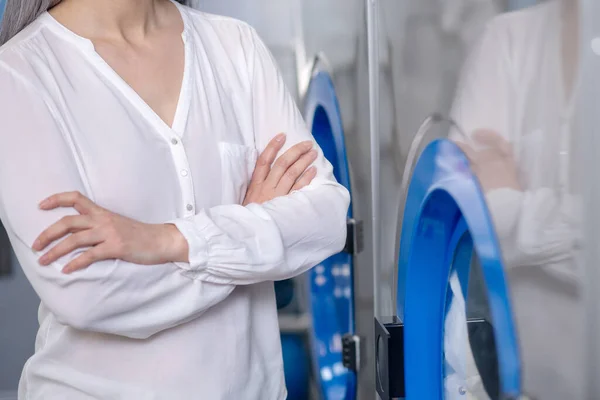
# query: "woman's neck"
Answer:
x=128 y=20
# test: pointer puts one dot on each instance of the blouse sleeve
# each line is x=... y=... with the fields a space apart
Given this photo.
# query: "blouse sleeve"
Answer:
x=283 y=237
x=533 y=226
x=111 y=296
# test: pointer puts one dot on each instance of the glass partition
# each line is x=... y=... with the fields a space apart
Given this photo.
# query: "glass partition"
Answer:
x=421 y=45
x=515 y=102
x=506 y=73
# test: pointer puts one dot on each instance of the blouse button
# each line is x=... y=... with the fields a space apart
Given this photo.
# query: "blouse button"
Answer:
x=190 y=207
x=174 y=141
x=184 y=172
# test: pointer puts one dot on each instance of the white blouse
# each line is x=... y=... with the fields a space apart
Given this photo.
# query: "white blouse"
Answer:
x=206 y=329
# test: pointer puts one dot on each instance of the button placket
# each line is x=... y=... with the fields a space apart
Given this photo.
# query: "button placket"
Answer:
x=181 y=163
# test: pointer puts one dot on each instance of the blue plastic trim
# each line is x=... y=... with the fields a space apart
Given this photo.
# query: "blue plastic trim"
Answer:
x=331 y=282
x=443 y=191
x=2 y=8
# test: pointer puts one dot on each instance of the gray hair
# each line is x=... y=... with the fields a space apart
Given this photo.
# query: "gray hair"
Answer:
x=20 y=13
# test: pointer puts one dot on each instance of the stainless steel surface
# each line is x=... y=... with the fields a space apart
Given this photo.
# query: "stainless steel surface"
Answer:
x=375 y=154
x=589 y=102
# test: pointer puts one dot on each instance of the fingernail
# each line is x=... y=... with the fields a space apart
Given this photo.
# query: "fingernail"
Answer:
x=313 y=153
x=43 y=203
x=308 y=145
x=43 y=260
x=36 y=244
x=280 y=137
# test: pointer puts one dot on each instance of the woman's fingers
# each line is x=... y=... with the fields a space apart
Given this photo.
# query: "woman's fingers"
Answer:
x=266 y=159
x=492 y=160
x=263 y=166
x=305 y=179
x=289 y=172
x=492 y=140
x=78 y=201
x=294 y=172
x=96 y=253
x=286 y=160
x=79 y=240
x=63 y=227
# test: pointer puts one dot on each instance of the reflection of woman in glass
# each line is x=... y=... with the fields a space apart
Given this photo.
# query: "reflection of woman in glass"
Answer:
x=516 y=101
x=140 y=122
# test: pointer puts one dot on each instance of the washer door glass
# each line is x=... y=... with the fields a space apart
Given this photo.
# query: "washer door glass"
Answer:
x=470 y=356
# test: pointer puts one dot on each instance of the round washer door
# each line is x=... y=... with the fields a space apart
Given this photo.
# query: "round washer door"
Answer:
x=447 y=246
x=331 y=297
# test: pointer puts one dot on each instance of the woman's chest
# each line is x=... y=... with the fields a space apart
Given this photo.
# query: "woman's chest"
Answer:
x=137 y=165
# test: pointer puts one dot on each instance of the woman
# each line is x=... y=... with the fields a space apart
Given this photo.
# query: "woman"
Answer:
x=516 y=101
x=139 y=123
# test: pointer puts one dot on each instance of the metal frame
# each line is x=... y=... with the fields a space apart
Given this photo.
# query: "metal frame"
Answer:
x=442 y=192
x=590 y=143
x=372 y=13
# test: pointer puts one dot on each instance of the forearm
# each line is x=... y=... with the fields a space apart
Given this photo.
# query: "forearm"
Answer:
x=118 y=297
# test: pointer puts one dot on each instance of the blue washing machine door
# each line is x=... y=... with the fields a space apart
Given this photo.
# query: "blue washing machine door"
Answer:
x=331 y=297
x=2 y=7
x=447 y=245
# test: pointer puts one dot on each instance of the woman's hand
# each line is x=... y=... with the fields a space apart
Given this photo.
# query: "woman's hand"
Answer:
x=106 y=235
x=290 y=172
x=494 y=164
